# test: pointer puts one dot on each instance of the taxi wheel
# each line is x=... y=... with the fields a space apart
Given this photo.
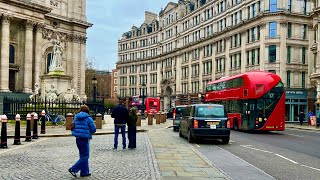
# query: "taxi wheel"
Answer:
x=226 y=140
x=190 y=138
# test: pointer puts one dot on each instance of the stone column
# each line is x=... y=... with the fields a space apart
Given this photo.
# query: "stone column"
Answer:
x=201 y=50
x=76 y=48
x=213 y=62
x=159 y=78
x=82 y=70
x=4 y=64
x=263 y=57
x=243 y=51
x=178 y=74
x=283 y=49
x=227 y=57
x=38 y=53
x=27 y=83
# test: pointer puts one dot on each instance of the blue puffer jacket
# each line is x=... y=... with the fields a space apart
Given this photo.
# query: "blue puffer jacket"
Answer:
x=84 y=126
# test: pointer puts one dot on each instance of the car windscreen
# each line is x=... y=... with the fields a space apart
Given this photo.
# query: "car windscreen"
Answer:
x=180 y=110
x=210 y=111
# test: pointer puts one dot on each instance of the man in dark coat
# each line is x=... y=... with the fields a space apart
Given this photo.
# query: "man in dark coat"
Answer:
x=132 y=128
x=301 y=117
x=120 y=114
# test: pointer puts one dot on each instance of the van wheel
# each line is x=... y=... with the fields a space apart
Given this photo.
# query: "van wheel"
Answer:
x=226 y=140
x=180 y=133
x=235 y=124
x=190 y=139
x=174 y=129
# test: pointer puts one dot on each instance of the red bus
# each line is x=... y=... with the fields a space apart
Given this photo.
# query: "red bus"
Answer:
x=253 y=100
x=152 y=105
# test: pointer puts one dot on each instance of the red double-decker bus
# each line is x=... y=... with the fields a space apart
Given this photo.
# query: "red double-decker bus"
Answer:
x=253 y=100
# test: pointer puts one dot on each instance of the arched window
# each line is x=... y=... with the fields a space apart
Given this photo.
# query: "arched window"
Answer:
x=49 y=57
x=11 y=55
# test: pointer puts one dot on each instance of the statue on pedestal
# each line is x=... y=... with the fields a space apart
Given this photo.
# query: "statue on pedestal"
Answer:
x=56 y=62
x=36 y=92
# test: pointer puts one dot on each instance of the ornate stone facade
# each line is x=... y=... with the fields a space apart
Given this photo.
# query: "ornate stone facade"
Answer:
x=197 y=41
x=28 y=32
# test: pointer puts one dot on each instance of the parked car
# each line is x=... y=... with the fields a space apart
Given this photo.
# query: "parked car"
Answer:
x=205 y=121
x=175 y=113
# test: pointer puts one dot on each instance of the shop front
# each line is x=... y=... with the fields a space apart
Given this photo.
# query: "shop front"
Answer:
x=296 y=101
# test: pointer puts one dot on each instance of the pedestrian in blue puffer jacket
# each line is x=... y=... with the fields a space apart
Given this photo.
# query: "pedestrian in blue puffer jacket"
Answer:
x=83 y=129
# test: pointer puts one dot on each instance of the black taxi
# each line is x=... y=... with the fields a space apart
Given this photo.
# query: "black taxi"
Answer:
x=205 y=121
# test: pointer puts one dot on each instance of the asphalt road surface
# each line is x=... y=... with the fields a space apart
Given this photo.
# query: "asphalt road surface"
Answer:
x=291 y=154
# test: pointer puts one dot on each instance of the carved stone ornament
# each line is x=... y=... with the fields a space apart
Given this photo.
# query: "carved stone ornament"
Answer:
x=29 y=24
x=40 y=27
x=284 y=23
x=5 y=19
x=54 y=3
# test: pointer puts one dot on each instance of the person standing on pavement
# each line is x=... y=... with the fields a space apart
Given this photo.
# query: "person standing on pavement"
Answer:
x=120 y=114
x=132 y=128
x=83 y=129
x=301 y=117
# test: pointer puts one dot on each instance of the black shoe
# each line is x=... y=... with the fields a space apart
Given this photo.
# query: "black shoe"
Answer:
x=124 y=148
x=85 y=175
x=74 y=174
x=114 y=148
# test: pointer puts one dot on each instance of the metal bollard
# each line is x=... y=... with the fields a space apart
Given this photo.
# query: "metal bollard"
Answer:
x=4 y=136
x=32 y=121
x=139 y=119
x=28 y=130
x=98 y=121
x=69 y=121
x=150 y=119
x=17 y=131
x=157 y=118
x=43 y=122
x=35 y=126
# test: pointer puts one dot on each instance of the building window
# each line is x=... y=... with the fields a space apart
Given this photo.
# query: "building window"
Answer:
x=258 y=51
x=253 y=56
x=304 y=7
x=303 y=80
x=304 y=29
x=248 y=58
x=272 y=53
x=49 y=57
x=288 y=54
x=289 y=29
x=12 y=54
x=272 y=29
x=289 y=5
x=273 y=5
x=303 y=55
x=288 y=79
x=258 y=29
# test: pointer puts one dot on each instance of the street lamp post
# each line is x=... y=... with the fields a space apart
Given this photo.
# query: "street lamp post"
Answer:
x=94 y=82
x=143 y=105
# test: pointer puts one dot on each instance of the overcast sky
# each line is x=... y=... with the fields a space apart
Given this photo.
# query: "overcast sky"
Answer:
x=110 y=19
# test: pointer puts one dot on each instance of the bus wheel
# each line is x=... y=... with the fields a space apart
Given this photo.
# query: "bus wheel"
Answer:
x=235 y=124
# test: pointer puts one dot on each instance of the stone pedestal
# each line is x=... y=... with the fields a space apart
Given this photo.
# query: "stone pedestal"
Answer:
x=60 y=82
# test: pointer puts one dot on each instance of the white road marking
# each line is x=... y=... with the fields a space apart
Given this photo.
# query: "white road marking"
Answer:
x=256 y=149
x=311 y=167
x=287 y=159
x=197 y=145
x=22 y=146
x=295 y=135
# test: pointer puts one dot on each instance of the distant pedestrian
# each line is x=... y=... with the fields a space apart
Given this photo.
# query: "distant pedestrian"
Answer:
x=120 y=114
x=83 y=129
x=301 y=117
x=132 y=128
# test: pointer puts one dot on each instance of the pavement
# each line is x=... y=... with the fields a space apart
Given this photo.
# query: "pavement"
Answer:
x=159 y=155
x=304 y=126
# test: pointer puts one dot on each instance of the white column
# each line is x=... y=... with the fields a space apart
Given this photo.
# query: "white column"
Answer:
x=75 y=62
x=283 y=49
x=4 y=65
x=243 y=51
x=227 y=57
x=201 y=69
x=82 y=70
x=263 y=56
x=38 y=53
x=178 y=75
x=159 y=78
x=27 y=83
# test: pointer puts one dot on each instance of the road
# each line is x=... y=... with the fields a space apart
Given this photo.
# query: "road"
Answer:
x=291 y=154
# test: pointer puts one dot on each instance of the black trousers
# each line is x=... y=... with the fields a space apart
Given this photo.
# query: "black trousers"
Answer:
x=132 y=131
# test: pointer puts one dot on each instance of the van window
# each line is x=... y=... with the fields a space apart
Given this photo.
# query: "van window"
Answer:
x=180 y=110
x=210 y=111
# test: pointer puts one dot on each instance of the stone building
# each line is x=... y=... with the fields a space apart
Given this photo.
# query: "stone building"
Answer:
x=193 y=42
x=114 y=84
x=28 y=32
